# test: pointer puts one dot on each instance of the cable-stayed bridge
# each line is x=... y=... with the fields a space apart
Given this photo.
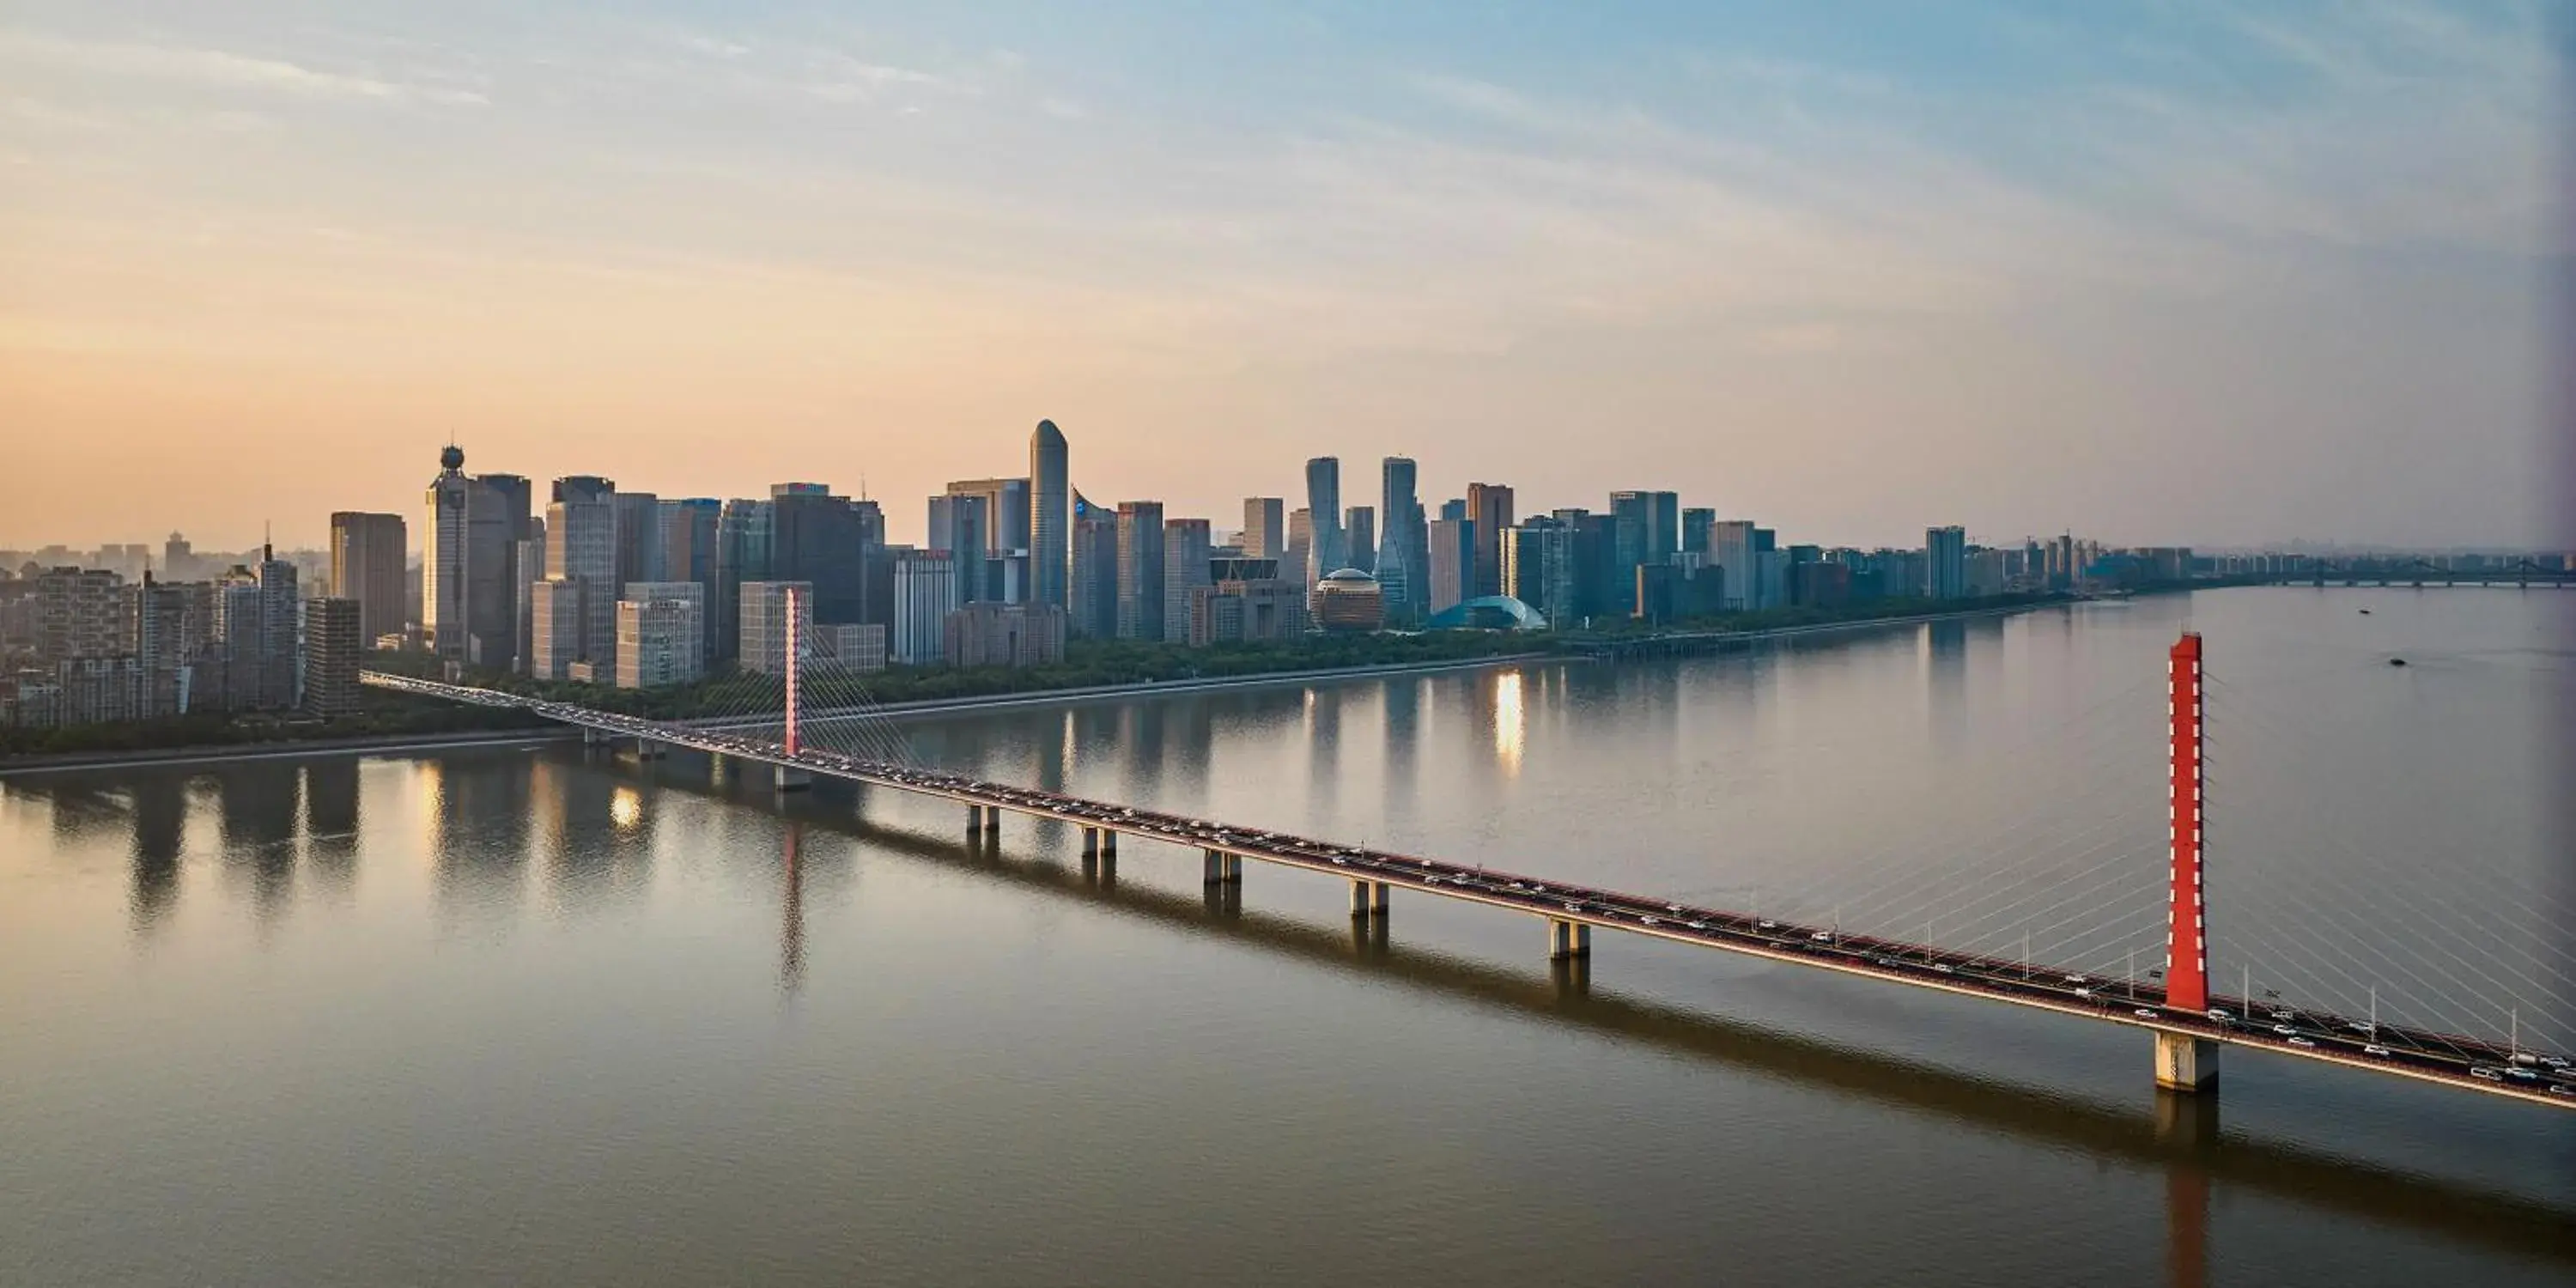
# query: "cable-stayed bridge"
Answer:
x=2476 y=1013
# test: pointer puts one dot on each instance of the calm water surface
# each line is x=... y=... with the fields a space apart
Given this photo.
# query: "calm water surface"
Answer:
x=527 y=1016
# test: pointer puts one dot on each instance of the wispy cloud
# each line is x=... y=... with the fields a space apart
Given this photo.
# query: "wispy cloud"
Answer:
x=219 y=69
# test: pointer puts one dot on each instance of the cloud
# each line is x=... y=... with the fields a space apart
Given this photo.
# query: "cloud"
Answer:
x=218 y=69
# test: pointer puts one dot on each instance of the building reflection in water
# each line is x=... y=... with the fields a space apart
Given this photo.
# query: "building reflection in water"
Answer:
x=1324 y=745
x=479 y=819
x=603 y=840
x=255 y=811
x=1945 y=652
x=331 y=822
x=160 y=834
x=791 y=935
x=1403 y=721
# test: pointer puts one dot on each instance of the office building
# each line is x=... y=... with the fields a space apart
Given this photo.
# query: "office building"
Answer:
x=1453 y=564
x=1945 y=563
x=528 y=564
x=960 y=527
x=1398 y=563
x=639 y=537
x=1185 y=570
x=767 y=607
x=582 y=548
x=1265 y=527
x=1094 y=570
x=368 y=557
x=742 y=554
x=1325 y=550
x=178 y=559
x=1696 y=523
x=1297 y=557
x=1050 y=518
x=850 y=646
x=1540 y=569
x=165 y=646
x=1007 y=634
x=1006 y=513
x=1140 y=570
x=1489 y=508
x=837 y=546
x=661 y=634
x=1730 y=548
x=333 y=631
x=1359 y=537
x=554 y=627
x=925 y=593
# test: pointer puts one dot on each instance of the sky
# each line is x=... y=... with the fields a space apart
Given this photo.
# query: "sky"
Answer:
x=2182 y=271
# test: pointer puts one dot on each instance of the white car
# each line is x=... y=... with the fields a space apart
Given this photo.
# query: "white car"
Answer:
x=2143 y=1013
x=2377 y=1050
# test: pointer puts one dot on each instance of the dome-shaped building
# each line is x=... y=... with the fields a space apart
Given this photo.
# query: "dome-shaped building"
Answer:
x=1348 y=600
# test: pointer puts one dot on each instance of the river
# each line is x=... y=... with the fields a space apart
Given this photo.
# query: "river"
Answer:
x=536 y=1015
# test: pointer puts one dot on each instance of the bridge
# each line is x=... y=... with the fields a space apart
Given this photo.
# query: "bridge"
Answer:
x=2422 y=573
x=2188 y=1021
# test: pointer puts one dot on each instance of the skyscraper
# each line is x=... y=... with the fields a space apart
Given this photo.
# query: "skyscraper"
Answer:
x=1695 y=525
x=1399 y=573
x=836 y=544
x=1325 y=551
x=1265 y=527
x=742 y=554
x=1489 y=506
x=1632 y=522
x=444 y=571
x=1359 y=537
x=278 y=623
x=582 y=548
x=1453 y=564
x=1730 y=547
x=1140 y=570
x=331 y=629
x=1093 y=571
x=504 y=516
x=661 y=634
x=925 y=593
x=1185 y=569
x=689 y=554
x=765 y=625
x=367 y=565
x=1050 y=507
x=468 y=600
x=1297 y=556
x=1945 y=562
x=960 y=527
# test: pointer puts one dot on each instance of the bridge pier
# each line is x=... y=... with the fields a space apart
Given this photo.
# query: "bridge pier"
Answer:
x=1091 y=842
x=647 y=749
x=1222 y=868
x=2186 y=1063
x=1368 y=898
x=1568 y=938
x=992 y=822
x=974 y=819
x=1108 y=843
x=793 y=779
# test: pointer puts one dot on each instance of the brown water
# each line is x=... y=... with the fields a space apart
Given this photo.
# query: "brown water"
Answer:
x=522 y=1016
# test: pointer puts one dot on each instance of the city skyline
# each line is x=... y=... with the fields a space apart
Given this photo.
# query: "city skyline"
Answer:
x=2173 y=275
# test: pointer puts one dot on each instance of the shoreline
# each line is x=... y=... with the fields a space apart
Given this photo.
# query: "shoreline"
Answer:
x=477 y=738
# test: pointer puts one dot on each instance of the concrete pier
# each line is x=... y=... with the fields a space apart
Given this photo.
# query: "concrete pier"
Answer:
x=1221 y=868
x=1368 y=898
x=2186 y=1063
x=647 y=749
x=1091 y=842
x=992 y=821
x=974 y=818
x=793 y=779
x=1108 y=844
x=1568 y=938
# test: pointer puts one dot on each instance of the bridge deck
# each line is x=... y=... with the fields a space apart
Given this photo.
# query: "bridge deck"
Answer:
x=2445 y=1059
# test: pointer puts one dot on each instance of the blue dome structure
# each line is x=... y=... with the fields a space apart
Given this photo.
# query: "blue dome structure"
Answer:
x=1490 y=613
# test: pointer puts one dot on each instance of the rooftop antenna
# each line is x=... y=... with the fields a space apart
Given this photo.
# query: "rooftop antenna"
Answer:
x=267 y=546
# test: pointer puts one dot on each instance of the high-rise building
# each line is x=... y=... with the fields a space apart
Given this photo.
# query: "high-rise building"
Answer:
x=689 y=554
x=1265 y=527
x=445 y=566
x=1730 y=547
x=582 y=548
x=279 y=619
x=960 y=527
x=178 y=560
x=1094 y=571
x=1540 y=568
x=838 y=545
x=1006 y=513
x=1266 y=609
x=333 y=628
x=81 y=612
x=164 y=646
x=1185 y=568
x=1359 y=535
x=1050 y=515
x=554 y=627
x=528 y=563
x=1297 y=556
x=1631 y=521
x=1325 y=550
x=925 y=593
x=742 y=554
x=503 y=516
x=1399 y=562
x=1489 y=507
x=367 y=565
x=661 y=634
x=1945 y=563
x=766 y=607
x=1696 y=523
x=1140 y=570
x=1453 y=564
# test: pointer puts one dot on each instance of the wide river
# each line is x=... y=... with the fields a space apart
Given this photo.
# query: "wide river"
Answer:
x=530 y=1015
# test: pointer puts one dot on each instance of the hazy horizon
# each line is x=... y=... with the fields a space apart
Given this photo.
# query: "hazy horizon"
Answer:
x=2193 y=275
